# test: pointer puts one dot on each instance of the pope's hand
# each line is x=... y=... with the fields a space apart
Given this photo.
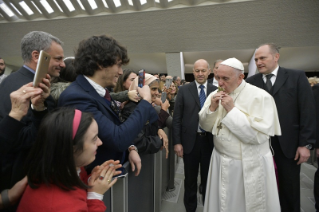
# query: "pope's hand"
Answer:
x=227 y=102
x=214 y=102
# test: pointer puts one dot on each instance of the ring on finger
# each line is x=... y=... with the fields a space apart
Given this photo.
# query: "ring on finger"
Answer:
x=101 y=177
x=24 y=91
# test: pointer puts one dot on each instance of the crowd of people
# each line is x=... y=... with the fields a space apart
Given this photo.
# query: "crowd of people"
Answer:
x=64 y=142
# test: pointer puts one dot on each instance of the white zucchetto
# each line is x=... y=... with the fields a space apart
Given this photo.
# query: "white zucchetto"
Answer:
x=233 y=62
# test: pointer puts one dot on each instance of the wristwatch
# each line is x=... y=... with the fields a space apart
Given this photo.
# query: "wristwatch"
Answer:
x=132 y=147
x=309 y=146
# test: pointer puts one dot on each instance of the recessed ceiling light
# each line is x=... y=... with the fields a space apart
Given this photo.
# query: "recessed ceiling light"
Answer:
x=143 y=2
x=26 y=8
x=58 y=5
x=81 y=5
x=117 y=3
x=46 y=5
x=16 y=9
x=69 y=5
x=130 y=2
x=169 y=0
x=105 y=4
x=93 y=4
x=157 y=1
x=6 y=9
x=36 y=7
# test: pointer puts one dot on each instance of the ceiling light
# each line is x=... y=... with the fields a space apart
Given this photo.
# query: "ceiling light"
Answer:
x=117 y=3
x=81 y=5
x=157 y=1
x=69 y=5
x=46 y=5
x=130 y=2
x=58 y=5
x=93 y=4
x=36 y=7
x=6 y=9
x=169 y=0
x=143 y=2
x=16 y=9
x=105 y=4
x=26 y=7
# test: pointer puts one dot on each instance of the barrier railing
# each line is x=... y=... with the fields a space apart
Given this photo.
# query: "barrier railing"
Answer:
x=143 y=192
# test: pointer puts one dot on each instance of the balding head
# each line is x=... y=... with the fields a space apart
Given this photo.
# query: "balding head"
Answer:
x=201 y=71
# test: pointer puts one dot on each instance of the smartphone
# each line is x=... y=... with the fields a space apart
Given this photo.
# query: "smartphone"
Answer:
x=168 y=83
x=163 y=97
x=122 y=175
x=141 y=78
x=42 y=68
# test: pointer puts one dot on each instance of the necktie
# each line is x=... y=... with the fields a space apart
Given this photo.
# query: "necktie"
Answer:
x=107 y=95
x=202 y=96
x=268 y=82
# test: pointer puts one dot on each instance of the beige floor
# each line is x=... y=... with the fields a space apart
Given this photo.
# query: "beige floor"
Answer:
x=306 y=186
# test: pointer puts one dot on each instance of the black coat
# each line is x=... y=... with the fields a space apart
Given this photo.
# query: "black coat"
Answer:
x=315 y=90
x=295 y=105
x=185 y=117
x=12 y=163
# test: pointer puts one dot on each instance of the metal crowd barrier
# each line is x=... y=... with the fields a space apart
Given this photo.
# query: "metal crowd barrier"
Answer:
x=144 y=192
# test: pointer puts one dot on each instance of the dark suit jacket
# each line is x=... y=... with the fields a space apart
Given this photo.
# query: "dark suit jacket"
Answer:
x=295 y=105
x=185 y=117
x=315 y=90
x=13 y=161
x=115 y=135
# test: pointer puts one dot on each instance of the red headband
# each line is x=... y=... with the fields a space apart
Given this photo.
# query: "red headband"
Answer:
x=76 y=121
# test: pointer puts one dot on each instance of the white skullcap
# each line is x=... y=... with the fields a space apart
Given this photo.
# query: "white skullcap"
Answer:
x=233 y=62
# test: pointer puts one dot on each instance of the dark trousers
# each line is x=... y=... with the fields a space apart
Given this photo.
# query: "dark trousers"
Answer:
x=316 y=187
x=288 y=179
x=200 y=155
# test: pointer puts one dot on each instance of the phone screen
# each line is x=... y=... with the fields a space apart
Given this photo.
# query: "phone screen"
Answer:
x=141 y=78
x=163 y=97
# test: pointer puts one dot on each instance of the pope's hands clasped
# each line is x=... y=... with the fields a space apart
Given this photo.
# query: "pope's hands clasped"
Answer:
x=226 y=101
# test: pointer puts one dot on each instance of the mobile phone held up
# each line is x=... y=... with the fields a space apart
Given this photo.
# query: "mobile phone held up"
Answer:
x=168 y=83
x=42 y=68
x=141 y=78
x=163 y=97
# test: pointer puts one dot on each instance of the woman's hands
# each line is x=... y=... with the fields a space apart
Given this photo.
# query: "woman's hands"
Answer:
x=101 y=176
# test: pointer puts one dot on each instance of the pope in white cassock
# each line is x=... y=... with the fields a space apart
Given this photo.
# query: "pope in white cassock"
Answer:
x=242 y=117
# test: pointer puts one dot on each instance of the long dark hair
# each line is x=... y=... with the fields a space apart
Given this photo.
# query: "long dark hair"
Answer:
x=51 y=159
x=119 y=86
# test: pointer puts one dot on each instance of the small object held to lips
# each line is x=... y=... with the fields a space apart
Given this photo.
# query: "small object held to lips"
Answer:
x=220 y=89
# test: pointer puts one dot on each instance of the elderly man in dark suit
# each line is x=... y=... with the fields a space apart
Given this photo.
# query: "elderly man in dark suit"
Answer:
x=190 y=141
x=295 y=106
x=98 y=61
x=32 y=43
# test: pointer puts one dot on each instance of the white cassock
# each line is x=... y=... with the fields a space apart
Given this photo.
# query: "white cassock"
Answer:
x=241 y=176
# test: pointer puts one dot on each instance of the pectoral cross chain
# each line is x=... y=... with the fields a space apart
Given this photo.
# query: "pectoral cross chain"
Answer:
x=219 y=127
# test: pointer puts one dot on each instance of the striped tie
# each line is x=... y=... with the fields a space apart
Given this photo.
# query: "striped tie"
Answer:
x=202 y=96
